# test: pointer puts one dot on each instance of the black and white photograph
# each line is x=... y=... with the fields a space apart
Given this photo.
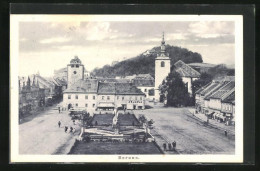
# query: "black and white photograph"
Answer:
x=126 y=88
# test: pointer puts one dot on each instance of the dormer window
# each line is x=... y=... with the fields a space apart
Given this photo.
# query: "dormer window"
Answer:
x=72 y=66
x=77 y=66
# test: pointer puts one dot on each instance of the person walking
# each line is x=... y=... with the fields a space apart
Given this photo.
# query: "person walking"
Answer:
x=71 y=129
x=169 y=146
x=174 y=145
x=164 y=146
x=66 y=128
x=59 y=123
x=226 y=133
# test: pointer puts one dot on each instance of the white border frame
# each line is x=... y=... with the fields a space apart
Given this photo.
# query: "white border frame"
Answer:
x=15 y=157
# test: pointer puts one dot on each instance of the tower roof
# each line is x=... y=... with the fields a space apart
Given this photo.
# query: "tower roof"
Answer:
x=75 y=60
x=163 y=54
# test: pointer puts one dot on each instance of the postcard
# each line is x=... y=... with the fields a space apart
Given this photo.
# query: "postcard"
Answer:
x=126 y=88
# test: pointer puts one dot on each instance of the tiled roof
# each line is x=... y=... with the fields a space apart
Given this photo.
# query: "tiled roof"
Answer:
x=118 y=88
x=223 y=91
x=210 y=88
x=61 y=82
x=113 y=80
x=185 y=70
x=87 y=86
x=127 y=88
x=94 y=86
x=230 y=98
x=210 y=92
x=143 y=82
x=143 y=76
x=127 y=120
x=102 y=119
x=106 y=88
x=202 y=88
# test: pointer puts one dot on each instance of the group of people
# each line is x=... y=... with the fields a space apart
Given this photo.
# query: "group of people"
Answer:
x=67 y=129
x=171 y=146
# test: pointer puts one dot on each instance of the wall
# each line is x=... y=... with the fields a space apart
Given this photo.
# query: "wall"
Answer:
x=189 y=80
x=130 y=101
x=160 y=74
x=147 y=92
x=81 y=101
x=226 y=107
x=215 y=104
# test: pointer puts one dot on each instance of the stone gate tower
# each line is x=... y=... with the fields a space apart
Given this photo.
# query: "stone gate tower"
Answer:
x=162 y=68
x=75 y=71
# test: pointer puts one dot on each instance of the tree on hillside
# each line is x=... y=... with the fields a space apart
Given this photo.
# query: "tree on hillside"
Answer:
x=174 y=90
x=144 y=64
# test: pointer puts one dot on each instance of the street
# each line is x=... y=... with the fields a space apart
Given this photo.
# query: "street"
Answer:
x=42 y=135
x=190 y=134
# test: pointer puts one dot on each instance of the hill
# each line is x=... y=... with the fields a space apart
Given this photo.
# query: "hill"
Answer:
x=144 y=63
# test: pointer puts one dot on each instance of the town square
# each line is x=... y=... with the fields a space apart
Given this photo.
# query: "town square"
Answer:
x=180 y=109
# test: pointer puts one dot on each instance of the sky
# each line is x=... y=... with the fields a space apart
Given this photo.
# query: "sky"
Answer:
x=48 y=46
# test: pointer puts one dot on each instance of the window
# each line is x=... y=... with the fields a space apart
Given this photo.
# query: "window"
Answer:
x=145 y=90
x=93 y=105
x=86 y=96
x=162 y=64
x=117 y=97
x=94 y=97
x=69 y=96
x=77 y=66
x=72 y=66
x=130 y=98
x=76 y=104
x=86 y=105
x=135 y=97
x=141 y=98
x=76 y=97
x=108 y=97
x=103 y=97
x=123 y=97
x=75 y=72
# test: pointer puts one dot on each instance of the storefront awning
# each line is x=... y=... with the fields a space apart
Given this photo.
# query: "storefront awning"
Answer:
x=210 y=113
x=106 y=105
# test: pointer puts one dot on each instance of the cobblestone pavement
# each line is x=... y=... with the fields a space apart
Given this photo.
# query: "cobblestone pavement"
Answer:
x=191 y=134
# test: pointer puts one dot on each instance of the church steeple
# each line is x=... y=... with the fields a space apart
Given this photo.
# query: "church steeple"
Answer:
x=163 y=46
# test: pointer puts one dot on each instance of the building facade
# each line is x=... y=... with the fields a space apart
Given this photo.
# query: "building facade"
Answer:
x=31 y=96
x=216 y=100
x=100 y=97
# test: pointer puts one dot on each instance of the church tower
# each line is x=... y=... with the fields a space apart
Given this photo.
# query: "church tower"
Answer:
x=162 y=68
x=75 y=71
